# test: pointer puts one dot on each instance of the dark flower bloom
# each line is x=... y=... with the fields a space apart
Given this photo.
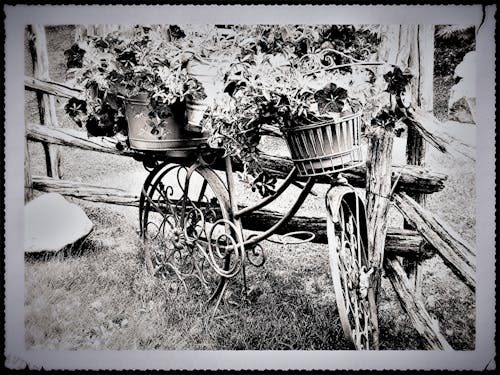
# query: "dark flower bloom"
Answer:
x=74 y=56
x=127 y=58
x=97 y=128
x=101 y=43
x=397 y=81
x=386 y=118
x=176 y=32
x=330 y=98
x=264 y=184
x=75 y=107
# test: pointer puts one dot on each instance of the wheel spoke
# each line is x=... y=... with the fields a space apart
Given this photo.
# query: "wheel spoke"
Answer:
x=203 y=190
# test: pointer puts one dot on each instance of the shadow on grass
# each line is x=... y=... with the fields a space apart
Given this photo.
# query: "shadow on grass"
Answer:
x=83 y=247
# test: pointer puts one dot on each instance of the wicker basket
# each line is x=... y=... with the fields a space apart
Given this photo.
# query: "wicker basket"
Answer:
x=326 y=147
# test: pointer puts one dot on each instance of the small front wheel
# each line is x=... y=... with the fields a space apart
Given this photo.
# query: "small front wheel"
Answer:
x=348 y=253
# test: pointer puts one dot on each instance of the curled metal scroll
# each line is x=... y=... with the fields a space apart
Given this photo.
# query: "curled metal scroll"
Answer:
x=255 y=254
x=322 y=60
x=325 y=60
x=187 y=230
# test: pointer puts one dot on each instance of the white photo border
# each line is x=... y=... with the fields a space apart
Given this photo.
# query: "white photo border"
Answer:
x=17 y=17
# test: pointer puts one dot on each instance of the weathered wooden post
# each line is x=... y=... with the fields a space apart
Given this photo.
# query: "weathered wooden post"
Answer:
x=28 y=182
x=378 y=188
x=421 y=62
x=46 y=103
x=412 y=46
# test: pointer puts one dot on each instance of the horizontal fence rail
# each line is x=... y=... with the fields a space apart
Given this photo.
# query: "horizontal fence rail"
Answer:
x=399 y=242
x=425 y=123
x=409 y=178
x=52 y=88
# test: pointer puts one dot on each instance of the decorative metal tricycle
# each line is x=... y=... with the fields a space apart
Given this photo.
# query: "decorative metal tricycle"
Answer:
x=190 y=219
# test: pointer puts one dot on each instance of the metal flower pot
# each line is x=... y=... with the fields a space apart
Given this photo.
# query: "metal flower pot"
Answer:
x=173 y=138
x=209 y=73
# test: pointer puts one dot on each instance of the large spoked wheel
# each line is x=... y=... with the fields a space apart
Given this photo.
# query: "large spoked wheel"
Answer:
x=347 y=240
x=186 y=228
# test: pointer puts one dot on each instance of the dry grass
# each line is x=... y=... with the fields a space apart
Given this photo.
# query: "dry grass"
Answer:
x=99 y=296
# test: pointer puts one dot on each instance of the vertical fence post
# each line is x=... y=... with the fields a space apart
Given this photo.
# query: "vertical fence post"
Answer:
x=28 y=182
x=412 y=46
x=46 y=103
x=378 y=187
x=421 y=61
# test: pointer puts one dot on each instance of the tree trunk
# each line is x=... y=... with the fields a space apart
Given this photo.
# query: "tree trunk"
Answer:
x=46 y=103
x=389 y=44
x=426 y=67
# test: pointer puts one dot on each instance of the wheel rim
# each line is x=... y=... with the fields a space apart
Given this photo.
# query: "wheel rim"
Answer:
x=186 y=228
x=348 y=260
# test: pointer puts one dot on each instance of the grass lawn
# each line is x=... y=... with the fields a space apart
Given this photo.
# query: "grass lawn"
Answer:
x=98 y=294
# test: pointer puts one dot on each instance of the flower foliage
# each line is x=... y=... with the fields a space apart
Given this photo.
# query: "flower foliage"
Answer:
x=274 y=76
x=296 y=41
x=124 y=64
x=274 y=90
x=397 y=81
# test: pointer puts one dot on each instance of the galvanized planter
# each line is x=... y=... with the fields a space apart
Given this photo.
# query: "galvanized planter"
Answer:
x=210 y=74
x=174 y=139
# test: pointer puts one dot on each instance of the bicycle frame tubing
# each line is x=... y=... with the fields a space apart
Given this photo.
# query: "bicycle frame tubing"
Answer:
x=248 y=210
x=293 y=210
x=288 y=181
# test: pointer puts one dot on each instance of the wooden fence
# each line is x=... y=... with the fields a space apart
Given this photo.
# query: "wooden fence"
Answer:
x=428 y=234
